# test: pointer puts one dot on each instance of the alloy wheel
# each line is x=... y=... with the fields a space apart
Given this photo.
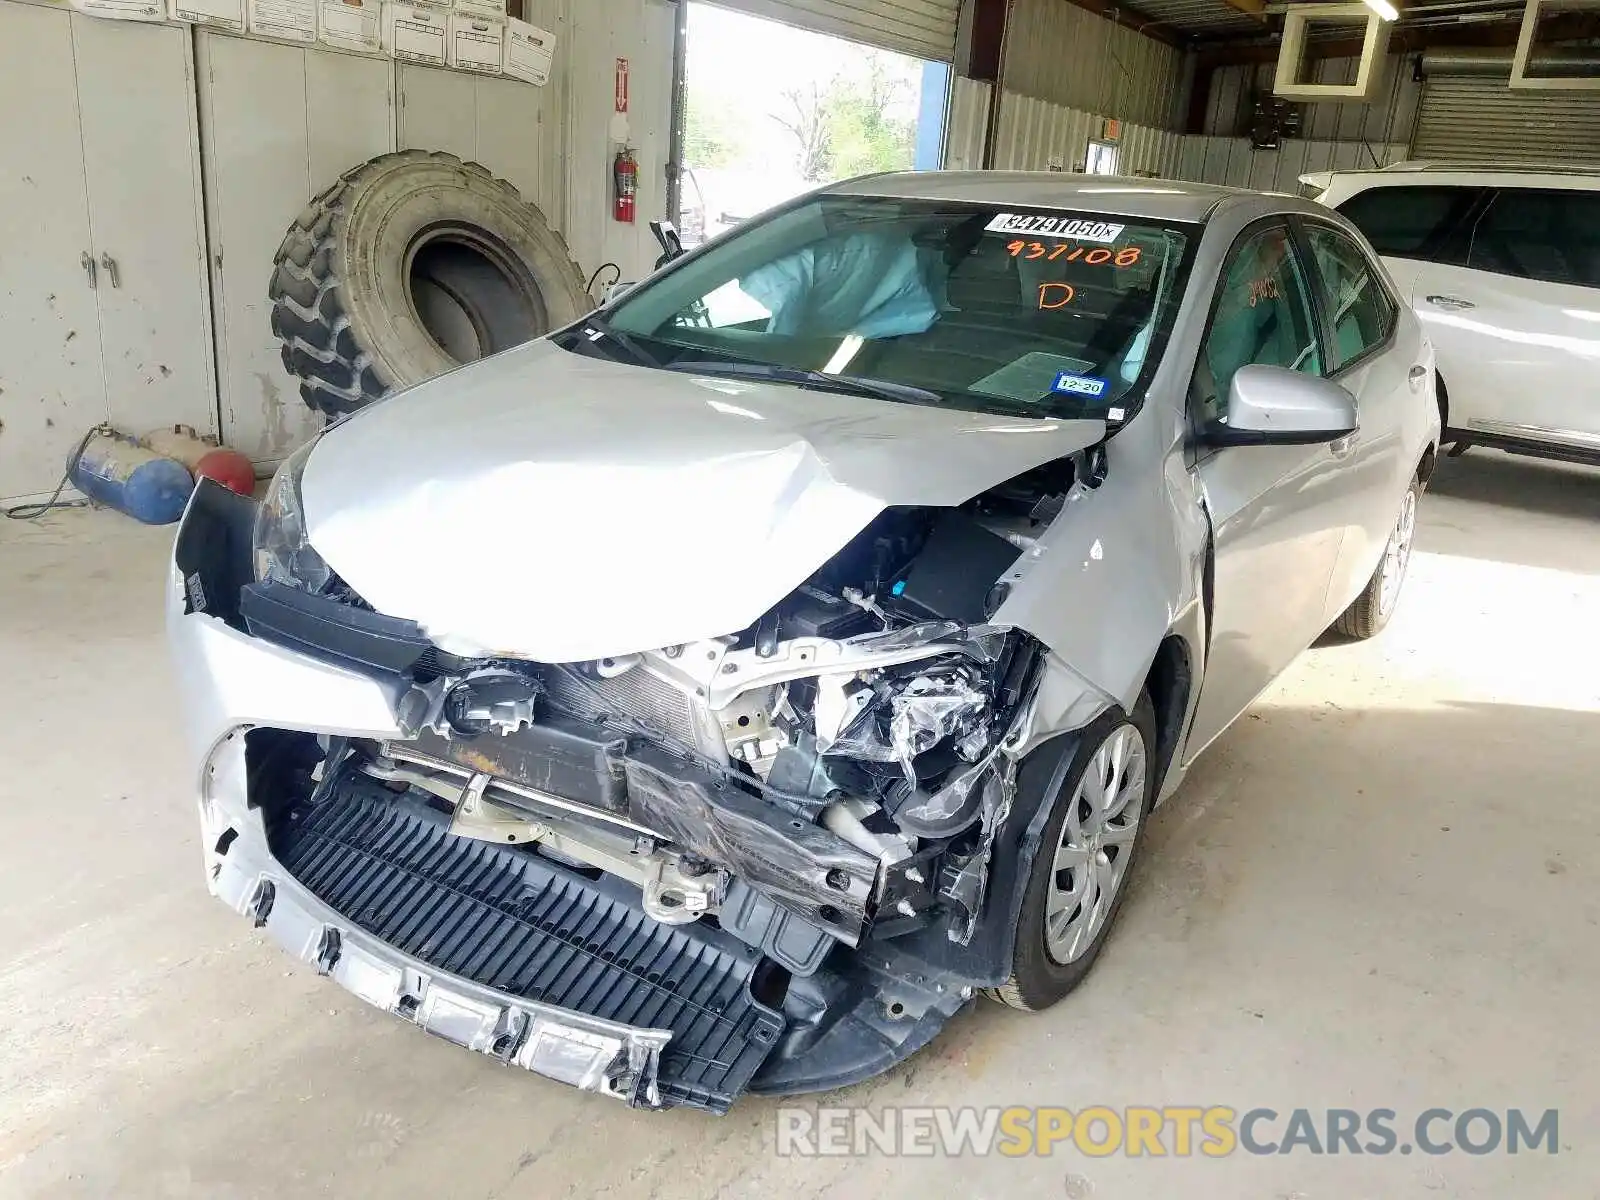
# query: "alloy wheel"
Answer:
x=1397 y=555
x=1096 y=845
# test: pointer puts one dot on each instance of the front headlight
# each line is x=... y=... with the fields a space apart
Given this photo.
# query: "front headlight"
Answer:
x=283 y=553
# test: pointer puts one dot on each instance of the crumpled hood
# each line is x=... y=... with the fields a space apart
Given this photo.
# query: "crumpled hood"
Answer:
x=551 y=506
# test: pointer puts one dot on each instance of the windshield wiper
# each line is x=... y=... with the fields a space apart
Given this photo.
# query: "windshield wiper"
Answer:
x=594 y=323
x=821 y=381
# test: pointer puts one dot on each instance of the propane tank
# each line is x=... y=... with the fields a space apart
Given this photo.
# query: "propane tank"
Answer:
x=180 y=442
x=231 y=469
x=116 y=471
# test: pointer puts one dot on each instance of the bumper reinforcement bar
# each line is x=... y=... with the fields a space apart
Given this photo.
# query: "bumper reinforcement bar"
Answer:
x=507 y=953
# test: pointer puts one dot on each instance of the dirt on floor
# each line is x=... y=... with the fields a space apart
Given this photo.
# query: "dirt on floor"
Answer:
x=1378 y=890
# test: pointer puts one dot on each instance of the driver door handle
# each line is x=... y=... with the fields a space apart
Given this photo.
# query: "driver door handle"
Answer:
x=1455 y=302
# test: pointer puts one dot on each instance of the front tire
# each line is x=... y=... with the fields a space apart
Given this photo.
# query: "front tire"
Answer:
x=1079 y=878
x=1371 y=610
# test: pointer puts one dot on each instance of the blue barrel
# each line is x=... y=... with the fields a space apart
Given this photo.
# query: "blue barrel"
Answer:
x=118 y=472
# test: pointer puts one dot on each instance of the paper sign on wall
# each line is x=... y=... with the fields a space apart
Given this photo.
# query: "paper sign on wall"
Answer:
x=350 y=24
x=415 y=34
x=221 y=14
x=529 y=52
x=288 y=20
x=622 y=85
x=475 y=44
x=123 y=10
x=489 y=10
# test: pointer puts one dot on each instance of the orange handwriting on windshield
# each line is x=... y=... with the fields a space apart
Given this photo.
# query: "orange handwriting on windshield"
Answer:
x=1128 y=256
x=1055 y=295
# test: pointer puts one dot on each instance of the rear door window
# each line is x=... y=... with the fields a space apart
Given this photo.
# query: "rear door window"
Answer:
x=1423 y=222
x=1359 y=310
x=1551 y=236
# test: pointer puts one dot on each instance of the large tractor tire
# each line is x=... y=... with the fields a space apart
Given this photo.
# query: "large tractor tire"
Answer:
x=408 y=265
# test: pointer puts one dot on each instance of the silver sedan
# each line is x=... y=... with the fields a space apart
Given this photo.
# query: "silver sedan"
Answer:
x=720 y=693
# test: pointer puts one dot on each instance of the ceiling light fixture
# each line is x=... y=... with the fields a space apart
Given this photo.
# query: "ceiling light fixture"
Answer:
x=1384 y=9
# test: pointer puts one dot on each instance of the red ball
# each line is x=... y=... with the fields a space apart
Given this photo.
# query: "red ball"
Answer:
x=229 y=468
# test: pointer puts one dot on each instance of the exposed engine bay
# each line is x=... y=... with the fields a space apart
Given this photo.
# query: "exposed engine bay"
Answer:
x=806 y=817
x=832 y=770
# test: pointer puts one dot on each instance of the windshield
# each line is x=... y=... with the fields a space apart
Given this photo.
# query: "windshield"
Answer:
x=1048 y=313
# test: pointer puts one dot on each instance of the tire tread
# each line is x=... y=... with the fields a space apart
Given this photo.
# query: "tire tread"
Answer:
x=309 y=312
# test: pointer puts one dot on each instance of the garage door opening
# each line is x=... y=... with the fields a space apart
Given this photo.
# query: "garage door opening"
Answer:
x=772 y=111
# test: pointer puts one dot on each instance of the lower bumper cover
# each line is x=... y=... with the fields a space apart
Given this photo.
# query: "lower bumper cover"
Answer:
x=507 y=954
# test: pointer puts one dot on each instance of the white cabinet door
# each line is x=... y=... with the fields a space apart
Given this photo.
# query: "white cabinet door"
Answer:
x=438 y=110
x=52 y=389
x=280 y=124
x=142 y=151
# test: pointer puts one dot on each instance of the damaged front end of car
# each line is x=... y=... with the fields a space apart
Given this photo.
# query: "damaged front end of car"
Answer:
x=775 y=860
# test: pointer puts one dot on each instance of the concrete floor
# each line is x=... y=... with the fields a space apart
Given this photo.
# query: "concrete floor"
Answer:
x=1379 y=889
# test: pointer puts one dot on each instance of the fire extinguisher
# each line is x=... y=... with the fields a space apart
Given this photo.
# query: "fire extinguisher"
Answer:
x=625 y=185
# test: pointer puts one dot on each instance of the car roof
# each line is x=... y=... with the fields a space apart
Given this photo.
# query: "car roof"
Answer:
x=1113 y=195
x=1491 y=174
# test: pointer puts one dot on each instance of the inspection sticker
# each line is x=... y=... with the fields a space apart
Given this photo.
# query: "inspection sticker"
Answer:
x=1061 y=227
x=1081 y=385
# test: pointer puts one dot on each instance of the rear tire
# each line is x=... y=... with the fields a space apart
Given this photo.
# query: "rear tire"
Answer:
x=1371 y=610
x=1058 y=936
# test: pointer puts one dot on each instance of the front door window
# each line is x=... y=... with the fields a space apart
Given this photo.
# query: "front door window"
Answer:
x=1263 y=315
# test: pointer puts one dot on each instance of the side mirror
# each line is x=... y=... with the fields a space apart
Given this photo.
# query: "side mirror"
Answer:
x=1274 y=406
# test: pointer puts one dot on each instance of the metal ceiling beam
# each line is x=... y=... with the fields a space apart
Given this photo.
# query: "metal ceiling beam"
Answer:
x=1135 y=20
x=1490 y=35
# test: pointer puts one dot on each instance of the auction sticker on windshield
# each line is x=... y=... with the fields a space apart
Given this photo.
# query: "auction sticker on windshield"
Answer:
x=1061 y=227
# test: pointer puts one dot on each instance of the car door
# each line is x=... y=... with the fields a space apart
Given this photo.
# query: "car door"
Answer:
x=1528 y=304
x=1276 y=524
x=1384 y=364
x=1422 y=232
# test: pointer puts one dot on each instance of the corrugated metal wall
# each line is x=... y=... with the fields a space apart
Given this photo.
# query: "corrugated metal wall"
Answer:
x=1389 y=117
x=965 y=125
x=1481 y=118
x=1035 y=135
x=1233 y=162
x=1147 y=151
x=1038 y=136
x=1058 y=52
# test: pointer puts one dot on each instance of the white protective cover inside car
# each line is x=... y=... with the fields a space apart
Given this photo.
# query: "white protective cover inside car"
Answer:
x=561 y=508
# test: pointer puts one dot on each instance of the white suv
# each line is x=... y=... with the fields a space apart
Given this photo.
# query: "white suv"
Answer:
x=1503 y=266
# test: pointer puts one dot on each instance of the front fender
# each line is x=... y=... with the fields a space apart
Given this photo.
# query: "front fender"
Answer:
x=1120 y=566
